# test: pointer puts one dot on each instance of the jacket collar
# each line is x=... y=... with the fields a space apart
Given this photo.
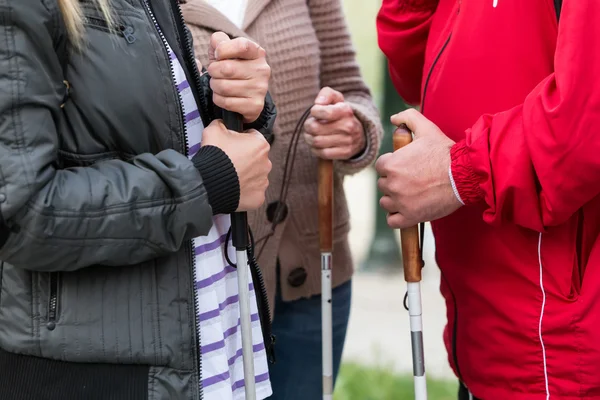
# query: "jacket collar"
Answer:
x=199 y=12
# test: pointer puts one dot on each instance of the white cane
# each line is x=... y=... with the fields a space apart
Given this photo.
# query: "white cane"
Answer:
x=412 y=275
x=239 y=235
x=326 y=245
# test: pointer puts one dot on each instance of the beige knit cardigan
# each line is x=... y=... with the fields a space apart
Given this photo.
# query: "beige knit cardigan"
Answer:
x=308 y=47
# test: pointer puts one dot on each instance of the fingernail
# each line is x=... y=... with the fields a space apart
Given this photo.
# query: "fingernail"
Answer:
x=216 y=54
x=321 y=99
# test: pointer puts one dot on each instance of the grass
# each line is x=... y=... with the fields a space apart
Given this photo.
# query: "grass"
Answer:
x=356 y=382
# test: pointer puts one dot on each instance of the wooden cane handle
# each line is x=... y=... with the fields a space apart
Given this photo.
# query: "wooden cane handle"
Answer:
x=326 y=205
x=411 y=252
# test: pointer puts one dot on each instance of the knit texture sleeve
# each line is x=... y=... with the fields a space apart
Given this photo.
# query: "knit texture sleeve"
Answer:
x=340 y=71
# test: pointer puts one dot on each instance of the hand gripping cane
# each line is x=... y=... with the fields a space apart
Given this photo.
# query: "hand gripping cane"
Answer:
x=239 y=235
x=326 y=245
x=412 y=275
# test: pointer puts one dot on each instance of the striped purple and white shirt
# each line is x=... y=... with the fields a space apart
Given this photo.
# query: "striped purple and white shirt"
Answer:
x=222 y=372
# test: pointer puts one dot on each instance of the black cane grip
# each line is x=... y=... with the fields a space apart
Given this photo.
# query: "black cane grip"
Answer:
x=233 y=121
x=239 y=220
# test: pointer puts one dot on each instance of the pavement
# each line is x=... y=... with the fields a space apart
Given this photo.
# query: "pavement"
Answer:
x=379 y=333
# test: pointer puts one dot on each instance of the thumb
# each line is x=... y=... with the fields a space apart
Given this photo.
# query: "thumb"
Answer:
x=413 y=120
x=215 y=40
x=328 y=96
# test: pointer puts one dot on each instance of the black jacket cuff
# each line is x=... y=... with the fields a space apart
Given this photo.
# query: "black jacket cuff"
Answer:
x=220 y=179
x=266 y=120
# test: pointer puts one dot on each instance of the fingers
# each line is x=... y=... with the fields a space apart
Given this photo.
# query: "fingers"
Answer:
x=327 y=141
x=250 y=108
x=215 y=40
x=399 y=221
x=218 y=124
x=333 y=112
x=238 y=48
x=414 y=121
x=347 y=126
x=388 y=204
x=328 y=96
x=239 y=88
x=381 y=166
x=242 y=70
x=334 y=153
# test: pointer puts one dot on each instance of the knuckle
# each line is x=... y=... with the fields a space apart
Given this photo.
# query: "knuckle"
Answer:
x=265 y=69
x=213 y=68
x=263 y=87
x=228 y=68
x=317 y=142
x=228 y=103
x=243 y=44
x=264 y=148
x=349 y=125
x=216 y=85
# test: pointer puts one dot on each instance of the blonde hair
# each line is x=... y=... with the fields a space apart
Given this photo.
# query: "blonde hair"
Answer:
x=73 y=17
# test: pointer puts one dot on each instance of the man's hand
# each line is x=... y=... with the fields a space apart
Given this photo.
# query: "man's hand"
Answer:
x=414 y=180
x=239 y=75
x=332 y=130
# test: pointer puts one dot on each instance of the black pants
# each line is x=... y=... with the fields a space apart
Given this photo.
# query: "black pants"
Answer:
x=463 y=393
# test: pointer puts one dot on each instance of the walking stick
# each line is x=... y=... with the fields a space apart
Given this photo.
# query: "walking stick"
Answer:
x=326 y=244
x=412 y=275
x=239 y=235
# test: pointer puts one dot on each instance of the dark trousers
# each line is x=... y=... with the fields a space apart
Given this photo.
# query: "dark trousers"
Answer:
x=463 y=393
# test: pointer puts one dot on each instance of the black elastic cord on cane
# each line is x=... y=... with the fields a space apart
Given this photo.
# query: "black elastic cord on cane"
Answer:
x=287 y=172
x=228 y=237
x=262 y=302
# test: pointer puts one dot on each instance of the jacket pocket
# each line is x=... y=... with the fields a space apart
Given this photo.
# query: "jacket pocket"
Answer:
x=126 y=31
x=54 y=281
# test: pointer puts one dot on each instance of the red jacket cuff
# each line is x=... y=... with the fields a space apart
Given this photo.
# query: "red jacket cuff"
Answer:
x=467 y=183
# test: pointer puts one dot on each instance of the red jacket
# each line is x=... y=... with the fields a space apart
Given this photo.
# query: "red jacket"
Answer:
x=521 y=261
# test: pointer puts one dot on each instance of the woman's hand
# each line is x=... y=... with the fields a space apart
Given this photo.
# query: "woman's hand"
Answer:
x=332 y=130
x=239 y=75
x=249 y=154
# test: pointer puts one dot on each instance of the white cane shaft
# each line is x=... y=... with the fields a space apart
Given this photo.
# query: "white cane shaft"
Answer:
x=326 y=324
x=420 y=388
x=246 y=323
x=416 y=336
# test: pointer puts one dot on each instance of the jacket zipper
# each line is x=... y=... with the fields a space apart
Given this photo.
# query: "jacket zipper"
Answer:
x=53 y=300
x=190 y=243
x=188 y=53
x=455 y=327
x=122 y=30
x=262 y=304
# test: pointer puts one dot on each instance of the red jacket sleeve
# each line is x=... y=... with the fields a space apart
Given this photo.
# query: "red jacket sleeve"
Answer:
x=402 y=29
x=537 y=164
